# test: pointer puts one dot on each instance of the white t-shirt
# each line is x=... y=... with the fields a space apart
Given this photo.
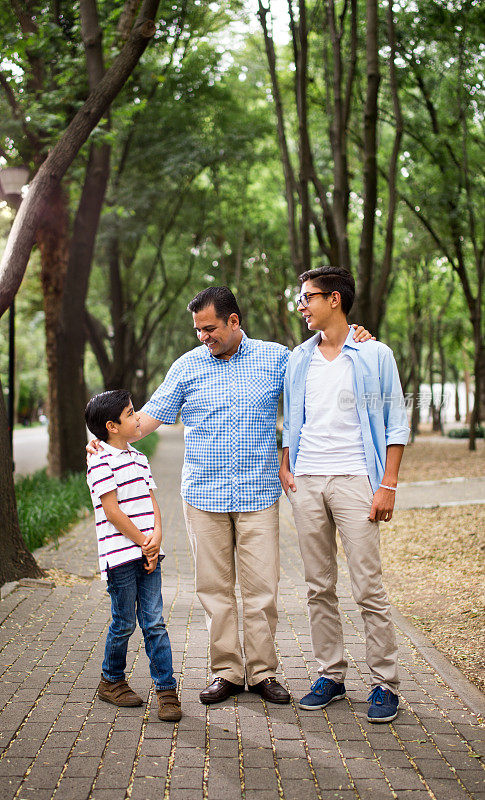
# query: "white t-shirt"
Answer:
x=331 y=436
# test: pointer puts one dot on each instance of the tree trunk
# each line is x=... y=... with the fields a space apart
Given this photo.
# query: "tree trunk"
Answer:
x=381 y=293
x=479 y=351
x=53 y=243
x=366 y=249
x=71 y=335
x=304 y=144
x=482 y=384
x=15 y=560
x=338 y=139
x=457 y=402
x=283 y=145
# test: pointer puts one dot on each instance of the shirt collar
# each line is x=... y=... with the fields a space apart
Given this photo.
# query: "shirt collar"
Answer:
x=243 y=346
x=350 y=341
x=115 y=451
x=309 y=344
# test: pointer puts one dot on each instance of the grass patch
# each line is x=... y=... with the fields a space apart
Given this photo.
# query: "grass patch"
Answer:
x=48 y=506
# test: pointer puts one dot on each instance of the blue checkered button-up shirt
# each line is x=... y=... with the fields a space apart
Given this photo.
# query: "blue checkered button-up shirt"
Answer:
x=229 y=412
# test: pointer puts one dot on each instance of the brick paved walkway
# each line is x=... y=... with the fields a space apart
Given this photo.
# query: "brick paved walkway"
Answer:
x=59 y=741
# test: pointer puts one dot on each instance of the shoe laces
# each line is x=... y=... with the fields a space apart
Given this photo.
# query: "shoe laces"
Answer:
x=378 y=695
x=320 y=684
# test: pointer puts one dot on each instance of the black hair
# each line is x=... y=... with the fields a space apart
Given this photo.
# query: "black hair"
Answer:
x=333 y=279
x=221 y=298
x=103 y=408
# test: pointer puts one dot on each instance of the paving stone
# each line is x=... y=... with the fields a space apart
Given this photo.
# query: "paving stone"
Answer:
x=15 y=767
x=186 y=778
x=447 y=790
x=77 y=788
x=82 y=767
x=371 y=789
x=149 y=789
x=261 y=778
x=153 y=766
x=9 y=785
x=302 y=789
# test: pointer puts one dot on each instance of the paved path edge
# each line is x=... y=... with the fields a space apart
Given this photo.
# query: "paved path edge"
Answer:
x=470 y=694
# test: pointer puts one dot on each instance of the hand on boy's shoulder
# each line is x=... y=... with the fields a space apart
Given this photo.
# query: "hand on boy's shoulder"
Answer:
x=93 y=447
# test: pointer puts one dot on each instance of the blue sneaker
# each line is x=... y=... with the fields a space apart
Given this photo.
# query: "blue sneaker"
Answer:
x=323 y=692
x=383 y=705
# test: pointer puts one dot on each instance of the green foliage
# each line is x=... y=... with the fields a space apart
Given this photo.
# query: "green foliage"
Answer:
x=464 y=433
x=148 y=445
x=48 y=506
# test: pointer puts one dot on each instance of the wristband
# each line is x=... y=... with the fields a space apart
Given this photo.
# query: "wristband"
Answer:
x=392 y=488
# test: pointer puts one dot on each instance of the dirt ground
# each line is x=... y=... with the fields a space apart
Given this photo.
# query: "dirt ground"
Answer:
x=435 y=458
x=433 y=563
x=433 y=559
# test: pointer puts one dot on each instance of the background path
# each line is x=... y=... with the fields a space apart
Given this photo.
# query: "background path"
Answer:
x=59 y=741
x=30 y=447
x=448 y=492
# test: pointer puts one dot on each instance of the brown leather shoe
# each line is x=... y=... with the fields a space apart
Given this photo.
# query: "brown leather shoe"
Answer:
x=169 y=708
x=271 y=690
x=219 y=690
x=118 y=693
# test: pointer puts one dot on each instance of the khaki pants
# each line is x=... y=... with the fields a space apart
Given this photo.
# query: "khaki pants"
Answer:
x=250 y=541
x=320 y=505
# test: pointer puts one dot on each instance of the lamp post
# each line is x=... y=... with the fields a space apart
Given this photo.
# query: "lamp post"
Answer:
x=12 y=179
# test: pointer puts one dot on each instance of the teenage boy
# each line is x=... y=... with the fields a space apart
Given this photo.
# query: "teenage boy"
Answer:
x=345 y=428
x=129 y=530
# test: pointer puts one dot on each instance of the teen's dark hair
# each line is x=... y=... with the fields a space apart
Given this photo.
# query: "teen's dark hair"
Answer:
x=333 y=279
x=103 y=408
x=221 y=298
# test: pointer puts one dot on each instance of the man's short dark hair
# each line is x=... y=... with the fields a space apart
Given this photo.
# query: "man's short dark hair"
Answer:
x=221 y=298
x=333 y=279
x=103 y=408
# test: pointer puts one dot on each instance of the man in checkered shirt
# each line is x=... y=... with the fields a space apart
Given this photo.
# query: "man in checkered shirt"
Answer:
x=227 y=392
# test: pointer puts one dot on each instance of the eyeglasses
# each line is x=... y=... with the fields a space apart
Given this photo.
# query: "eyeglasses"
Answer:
x=304 y=299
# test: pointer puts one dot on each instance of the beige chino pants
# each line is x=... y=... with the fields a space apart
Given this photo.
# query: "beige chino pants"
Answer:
x=320 y=505
x=248 y=541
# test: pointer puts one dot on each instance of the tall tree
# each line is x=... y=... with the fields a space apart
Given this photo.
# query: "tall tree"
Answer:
x=329 y=173
x=443 y=120
x=25 y=228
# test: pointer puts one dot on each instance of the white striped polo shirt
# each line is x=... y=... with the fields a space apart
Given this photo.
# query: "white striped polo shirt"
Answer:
x=128 y=472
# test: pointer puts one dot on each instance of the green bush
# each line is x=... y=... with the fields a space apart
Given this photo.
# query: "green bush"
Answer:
x=48 y=506
x=464 y=433
x=148 y=445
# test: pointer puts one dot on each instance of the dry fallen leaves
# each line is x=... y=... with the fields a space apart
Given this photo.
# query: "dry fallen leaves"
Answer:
x=433 y=458
x=433 y=571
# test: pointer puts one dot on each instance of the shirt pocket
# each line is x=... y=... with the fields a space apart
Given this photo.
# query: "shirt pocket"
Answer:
x=262 y=391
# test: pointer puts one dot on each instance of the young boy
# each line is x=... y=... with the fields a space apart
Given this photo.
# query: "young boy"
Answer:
x=129 y=530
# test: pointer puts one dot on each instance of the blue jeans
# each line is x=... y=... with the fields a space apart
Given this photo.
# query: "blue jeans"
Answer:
x=137 y=593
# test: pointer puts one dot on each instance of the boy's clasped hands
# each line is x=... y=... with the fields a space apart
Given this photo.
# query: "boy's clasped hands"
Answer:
x=151 y=549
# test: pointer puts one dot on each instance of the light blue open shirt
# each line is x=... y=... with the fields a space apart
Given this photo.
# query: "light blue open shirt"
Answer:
x=377 y=394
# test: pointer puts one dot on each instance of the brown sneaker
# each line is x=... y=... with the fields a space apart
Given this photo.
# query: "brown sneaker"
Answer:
x=118 y=693
x=169 y=709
